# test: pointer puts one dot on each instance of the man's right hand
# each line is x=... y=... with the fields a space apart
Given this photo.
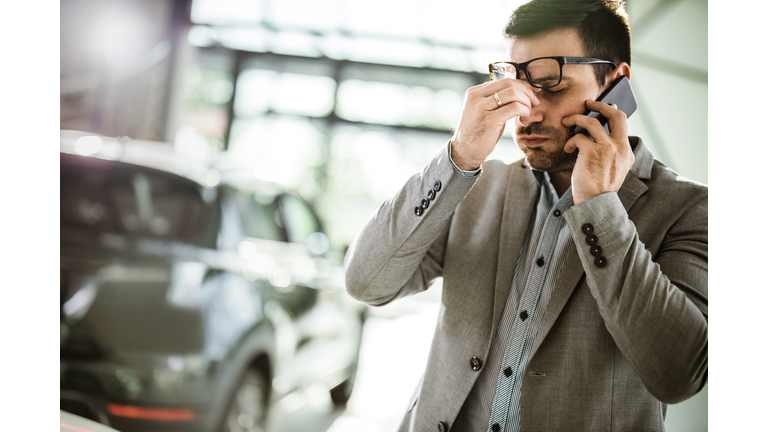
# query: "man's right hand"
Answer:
x=482 y=119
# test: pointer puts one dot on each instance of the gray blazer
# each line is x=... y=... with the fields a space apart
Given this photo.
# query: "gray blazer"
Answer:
x=617 y=342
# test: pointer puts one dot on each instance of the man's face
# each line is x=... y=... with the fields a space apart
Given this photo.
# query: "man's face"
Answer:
x=543 y=137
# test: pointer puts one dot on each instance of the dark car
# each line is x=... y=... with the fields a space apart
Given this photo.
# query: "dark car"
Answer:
x=192 y=299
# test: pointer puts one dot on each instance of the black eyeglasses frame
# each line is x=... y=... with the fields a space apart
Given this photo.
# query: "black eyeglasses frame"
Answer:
x=560 y=59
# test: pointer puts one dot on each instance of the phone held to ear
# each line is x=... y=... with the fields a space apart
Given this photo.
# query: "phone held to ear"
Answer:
x=619 y=93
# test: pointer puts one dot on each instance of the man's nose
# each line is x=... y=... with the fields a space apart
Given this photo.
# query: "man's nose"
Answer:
x=537 y=111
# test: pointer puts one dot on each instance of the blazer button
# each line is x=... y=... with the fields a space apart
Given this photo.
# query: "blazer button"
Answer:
x=424 y=203
x=587 y=228
x=431 y=194
x=596 y=250
x=476 y=364
x=419 y=211
x=601 y=261
x=442 y=427
x=437 y=186
x=591 y=239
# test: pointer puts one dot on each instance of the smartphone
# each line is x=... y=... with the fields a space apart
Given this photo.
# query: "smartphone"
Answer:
x=619 y=93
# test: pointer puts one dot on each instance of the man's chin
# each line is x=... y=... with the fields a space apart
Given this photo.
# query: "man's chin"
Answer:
x=545 y=161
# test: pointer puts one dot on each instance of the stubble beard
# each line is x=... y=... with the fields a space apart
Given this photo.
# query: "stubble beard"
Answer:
x=550 y=157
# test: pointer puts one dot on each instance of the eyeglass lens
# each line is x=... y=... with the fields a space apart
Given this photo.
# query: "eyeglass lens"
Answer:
x=542 y=73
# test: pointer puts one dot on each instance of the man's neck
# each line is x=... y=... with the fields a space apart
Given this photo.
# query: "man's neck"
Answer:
x=561 y=181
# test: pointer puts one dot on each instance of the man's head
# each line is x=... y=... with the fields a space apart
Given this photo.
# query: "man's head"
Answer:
x=602 y=26
x=573 y=28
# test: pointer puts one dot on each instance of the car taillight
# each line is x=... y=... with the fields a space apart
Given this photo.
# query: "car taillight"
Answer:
x=162 y=414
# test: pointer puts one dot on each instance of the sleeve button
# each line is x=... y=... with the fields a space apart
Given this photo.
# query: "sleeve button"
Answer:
x=591 y=239
x=587 y=228
x=476 y=364
x=419 y=211
x=601 y=261
x=437 y=186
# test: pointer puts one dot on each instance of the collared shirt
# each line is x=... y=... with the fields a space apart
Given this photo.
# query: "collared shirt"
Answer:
x=495 y=397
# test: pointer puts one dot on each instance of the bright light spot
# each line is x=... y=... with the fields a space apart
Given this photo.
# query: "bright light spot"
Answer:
x=261 y=144
x=318 y=243
x=302 y=94
x=280 y=278
x=246 y=250
x=303 y=269
x=212 y=177
x=76 y=307
x=175 y=363
x=250 y=275
x=190 y=143
x=88 y=145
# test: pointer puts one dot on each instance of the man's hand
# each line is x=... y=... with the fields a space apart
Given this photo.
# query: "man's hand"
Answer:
x=482 y=119
x=602 y=164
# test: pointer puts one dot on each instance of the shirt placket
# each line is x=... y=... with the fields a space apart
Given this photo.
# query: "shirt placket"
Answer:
x=521 y=341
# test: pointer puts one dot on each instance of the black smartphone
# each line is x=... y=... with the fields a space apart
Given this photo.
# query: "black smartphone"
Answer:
x=619 y=93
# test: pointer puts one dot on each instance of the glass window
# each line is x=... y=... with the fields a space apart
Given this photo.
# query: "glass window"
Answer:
x=262 y=90
x=261 y=216
x=300 y=221
x=113 y=197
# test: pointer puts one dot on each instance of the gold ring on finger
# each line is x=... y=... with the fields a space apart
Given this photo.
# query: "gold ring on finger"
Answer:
x=498 y=101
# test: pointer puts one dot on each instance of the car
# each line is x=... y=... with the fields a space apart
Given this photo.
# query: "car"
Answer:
x=192 y=298
x=71 y=423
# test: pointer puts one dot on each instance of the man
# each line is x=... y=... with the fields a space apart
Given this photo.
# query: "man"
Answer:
x=575 y=281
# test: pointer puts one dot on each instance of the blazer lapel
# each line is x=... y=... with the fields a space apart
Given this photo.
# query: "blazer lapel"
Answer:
x=572 y=270
x=522 y=191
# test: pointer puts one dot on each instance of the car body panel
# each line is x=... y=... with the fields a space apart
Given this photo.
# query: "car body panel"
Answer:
x=171 y=289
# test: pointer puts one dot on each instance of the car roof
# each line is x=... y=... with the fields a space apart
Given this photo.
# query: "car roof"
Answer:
x=163 y=156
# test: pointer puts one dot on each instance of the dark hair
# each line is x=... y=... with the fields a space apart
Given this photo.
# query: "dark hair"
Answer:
x=602 y=25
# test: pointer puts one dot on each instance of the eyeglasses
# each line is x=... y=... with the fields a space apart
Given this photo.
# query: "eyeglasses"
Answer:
x=542 y=72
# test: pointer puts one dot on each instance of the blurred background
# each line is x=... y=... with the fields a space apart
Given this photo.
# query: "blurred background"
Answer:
x=342 y=101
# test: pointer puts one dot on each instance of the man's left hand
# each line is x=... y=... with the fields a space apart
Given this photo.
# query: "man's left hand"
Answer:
x=602 y=164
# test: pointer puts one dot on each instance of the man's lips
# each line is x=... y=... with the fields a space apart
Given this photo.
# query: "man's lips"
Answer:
x=531 y=141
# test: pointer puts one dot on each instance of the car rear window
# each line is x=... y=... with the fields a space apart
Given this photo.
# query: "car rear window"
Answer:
x=114 y=197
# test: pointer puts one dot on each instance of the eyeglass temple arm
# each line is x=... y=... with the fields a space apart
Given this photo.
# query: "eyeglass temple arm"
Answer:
x=586 y=60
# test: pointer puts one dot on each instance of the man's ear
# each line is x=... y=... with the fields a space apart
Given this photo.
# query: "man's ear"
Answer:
x=621 y=70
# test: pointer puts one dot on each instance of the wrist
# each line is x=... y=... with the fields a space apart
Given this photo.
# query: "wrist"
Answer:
x=462 y=162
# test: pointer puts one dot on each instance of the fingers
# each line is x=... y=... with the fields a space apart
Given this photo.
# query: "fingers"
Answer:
x=617 y=121
x=508 y=91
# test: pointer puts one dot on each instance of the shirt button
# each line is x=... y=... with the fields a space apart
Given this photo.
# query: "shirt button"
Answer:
x=508 y=371
x=557 y=213
x=587 y=228
x=419 y=211
x=495 y=427
x=476 y=364
x=540 y=262
x=523 y=315
x=424 y=203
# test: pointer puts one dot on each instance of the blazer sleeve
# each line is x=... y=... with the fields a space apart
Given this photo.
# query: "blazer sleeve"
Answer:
x=399 y=252
x=654 y=307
